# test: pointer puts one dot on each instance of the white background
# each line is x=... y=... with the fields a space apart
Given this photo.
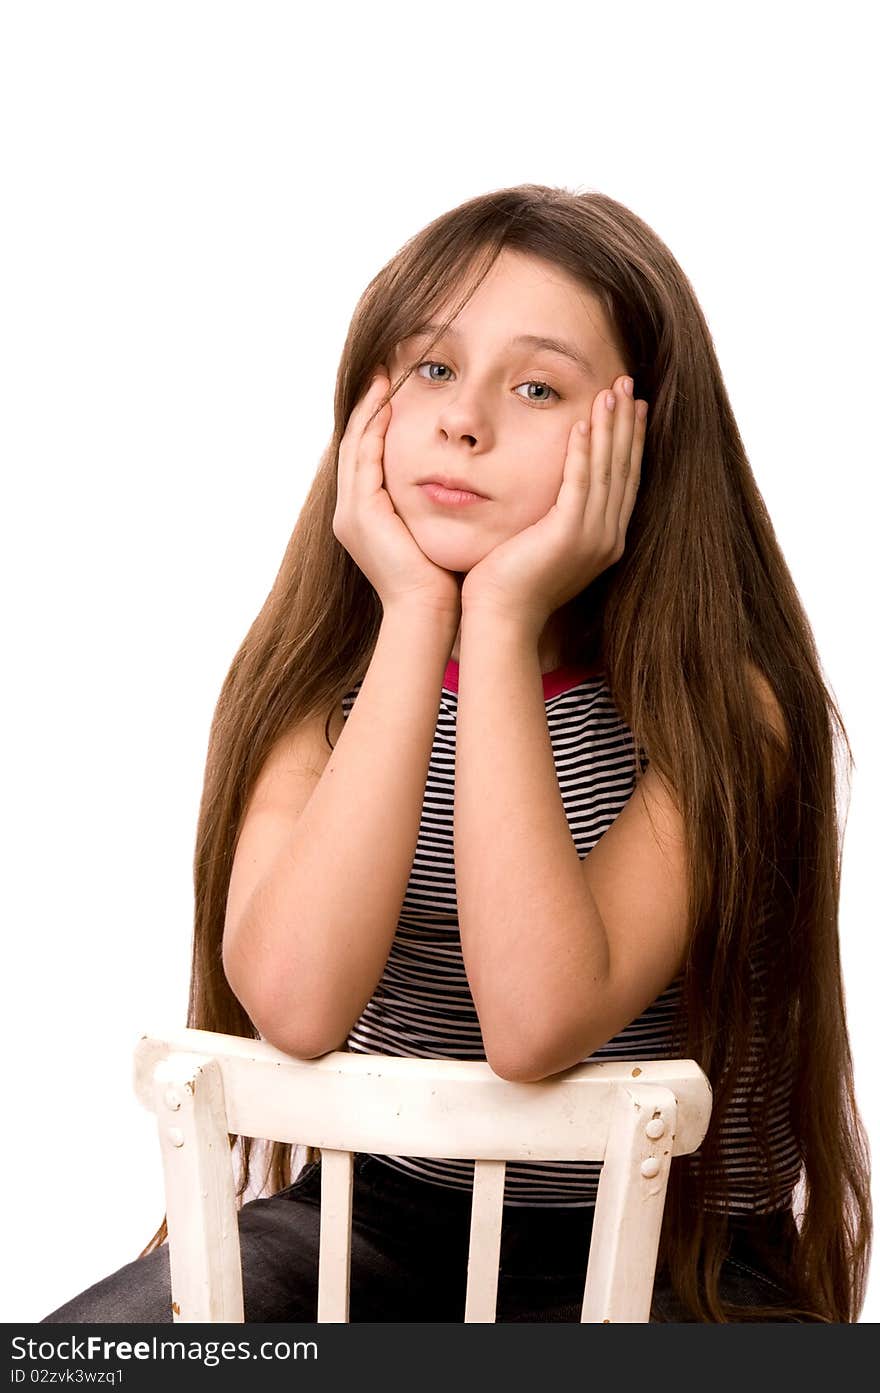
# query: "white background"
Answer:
x=195 y=196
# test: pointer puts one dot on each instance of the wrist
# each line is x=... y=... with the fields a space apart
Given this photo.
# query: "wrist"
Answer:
x=518 y=624
x=485 y=625
x=423 y=617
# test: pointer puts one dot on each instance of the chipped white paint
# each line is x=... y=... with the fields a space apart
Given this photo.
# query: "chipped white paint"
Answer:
x=633 y=1116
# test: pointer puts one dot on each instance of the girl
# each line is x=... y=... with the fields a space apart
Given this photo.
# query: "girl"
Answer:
x=528 y=758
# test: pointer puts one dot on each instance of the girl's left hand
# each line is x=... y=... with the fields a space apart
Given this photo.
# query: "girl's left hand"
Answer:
x=530 y=575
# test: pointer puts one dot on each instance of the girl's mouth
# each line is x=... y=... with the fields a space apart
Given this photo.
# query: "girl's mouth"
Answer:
x=453 y=497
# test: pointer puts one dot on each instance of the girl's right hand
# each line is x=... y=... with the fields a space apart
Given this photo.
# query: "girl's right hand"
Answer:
x=373 y=534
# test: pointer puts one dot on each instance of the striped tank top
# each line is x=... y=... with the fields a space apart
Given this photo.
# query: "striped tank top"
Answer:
x=422 y=1006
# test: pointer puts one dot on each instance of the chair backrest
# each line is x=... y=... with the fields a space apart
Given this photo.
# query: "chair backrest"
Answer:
x=632 y=1115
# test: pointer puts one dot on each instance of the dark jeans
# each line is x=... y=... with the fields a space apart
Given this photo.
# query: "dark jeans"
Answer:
x=409 y=1259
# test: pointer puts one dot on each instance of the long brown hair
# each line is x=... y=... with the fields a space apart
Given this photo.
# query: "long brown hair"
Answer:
x=701 y=596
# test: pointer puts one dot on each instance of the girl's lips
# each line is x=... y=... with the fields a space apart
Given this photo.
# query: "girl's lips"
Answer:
x=456 y=497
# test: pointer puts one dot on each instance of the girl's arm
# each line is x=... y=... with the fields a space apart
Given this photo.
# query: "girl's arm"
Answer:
x=560 y=953
x=317 y=885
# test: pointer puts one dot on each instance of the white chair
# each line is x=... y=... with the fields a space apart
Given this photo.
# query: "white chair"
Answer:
x=632 y=1115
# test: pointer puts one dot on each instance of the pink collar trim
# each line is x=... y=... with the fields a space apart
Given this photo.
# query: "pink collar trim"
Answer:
x=561 y=679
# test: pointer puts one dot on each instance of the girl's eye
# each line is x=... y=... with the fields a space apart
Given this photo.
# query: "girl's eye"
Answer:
x=532 y=382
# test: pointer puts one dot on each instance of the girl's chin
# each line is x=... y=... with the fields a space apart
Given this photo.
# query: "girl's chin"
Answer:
x=449 y=556
x=452 y=561
x=457 y=543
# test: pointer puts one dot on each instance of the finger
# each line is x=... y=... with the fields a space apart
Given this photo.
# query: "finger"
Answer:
x=378 y=408
x=600 y=439
x=363 y=414
x=381 y=382
x=370 y=451
x=575 y=487
x=621 y=455
x=366 y=405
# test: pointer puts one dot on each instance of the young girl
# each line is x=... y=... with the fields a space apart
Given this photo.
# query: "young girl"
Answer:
x=528 y=758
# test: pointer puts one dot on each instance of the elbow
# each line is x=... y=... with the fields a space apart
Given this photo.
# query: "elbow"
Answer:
x=518 y=1071
x=299 y=1041
x=517 y=1054
x=283 y=1025
x=297 y=1045
x=305 y=1034
x=509 y=1053
x=297 y=1036
x=530 y=1066
x=513 y=1067
x=530 y=1072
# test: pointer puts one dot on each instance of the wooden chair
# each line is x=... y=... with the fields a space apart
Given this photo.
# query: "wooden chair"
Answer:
x=632 y=1115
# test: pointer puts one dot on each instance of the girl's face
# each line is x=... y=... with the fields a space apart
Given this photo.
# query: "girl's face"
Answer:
x=495 y=413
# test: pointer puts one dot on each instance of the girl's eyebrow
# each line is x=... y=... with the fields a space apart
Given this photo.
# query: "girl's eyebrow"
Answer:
x=551 y=345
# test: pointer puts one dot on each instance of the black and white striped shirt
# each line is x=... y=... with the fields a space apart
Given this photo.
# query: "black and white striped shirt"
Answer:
x=422 y=1006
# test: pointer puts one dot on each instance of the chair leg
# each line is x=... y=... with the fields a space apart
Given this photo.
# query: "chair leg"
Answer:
x=334 y=1252
x=202 y=1217
x=484 y=1252
x=629 y=1206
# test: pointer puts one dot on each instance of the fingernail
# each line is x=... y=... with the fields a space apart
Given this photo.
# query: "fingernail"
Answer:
x=610 y=399
x=628 y=386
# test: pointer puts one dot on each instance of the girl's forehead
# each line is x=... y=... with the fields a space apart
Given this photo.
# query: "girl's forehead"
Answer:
x=548 y=296
x=540 y=303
